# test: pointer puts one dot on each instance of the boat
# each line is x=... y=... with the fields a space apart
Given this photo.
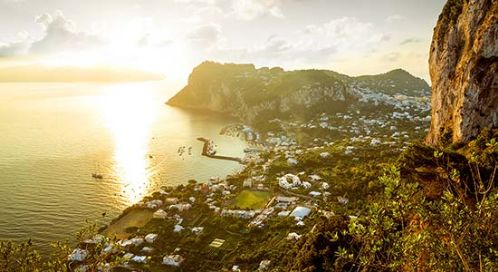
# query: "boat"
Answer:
x=97 y=176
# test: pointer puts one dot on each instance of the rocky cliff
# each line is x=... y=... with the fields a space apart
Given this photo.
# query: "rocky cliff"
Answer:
x=464 y=71
x=250 y=94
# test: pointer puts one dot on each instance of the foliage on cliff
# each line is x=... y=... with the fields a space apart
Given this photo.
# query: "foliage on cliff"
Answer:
x=405 y=229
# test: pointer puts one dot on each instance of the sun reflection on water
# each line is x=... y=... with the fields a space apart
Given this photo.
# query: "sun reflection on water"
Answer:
x=129 y=112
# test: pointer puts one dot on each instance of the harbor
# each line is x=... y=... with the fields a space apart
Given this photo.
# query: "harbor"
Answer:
x=209 y=150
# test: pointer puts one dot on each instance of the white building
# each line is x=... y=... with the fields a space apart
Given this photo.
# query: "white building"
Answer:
x=173 y=260
x=160 y=214
x=299 y=213
x=289 y=181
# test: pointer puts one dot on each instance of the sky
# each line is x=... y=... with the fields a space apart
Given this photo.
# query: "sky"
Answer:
x=170 y=37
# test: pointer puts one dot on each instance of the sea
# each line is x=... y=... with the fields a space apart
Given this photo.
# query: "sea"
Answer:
x=55 y=136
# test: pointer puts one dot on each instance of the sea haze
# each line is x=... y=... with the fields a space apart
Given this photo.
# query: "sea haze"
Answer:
x=54 y=136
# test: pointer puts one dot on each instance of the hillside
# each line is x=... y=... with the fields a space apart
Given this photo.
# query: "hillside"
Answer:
x=249 y=93
x=394 y=82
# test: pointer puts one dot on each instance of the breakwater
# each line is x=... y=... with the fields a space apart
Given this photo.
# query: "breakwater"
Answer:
x=207 y=150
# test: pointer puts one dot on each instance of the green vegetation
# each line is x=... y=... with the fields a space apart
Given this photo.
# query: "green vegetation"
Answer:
x=252 y=199
x=393 y=82
x=258 y=95
x=430 y=210
x=408 y=228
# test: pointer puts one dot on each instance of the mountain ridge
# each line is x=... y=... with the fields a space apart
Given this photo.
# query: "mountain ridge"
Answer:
x=248 y=93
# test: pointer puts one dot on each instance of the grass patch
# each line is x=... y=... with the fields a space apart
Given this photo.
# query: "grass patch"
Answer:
x=252 y=199
x=136 y=218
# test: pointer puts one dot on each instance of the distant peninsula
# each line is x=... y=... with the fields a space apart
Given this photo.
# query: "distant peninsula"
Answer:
x=255 y=95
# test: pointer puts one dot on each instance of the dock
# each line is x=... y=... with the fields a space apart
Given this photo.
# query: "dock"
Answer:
x=206 y=148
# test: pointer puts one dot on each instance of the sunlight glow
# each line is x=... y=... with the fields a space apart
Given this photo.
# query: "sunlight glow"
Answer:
x=172 y=62
x=129 y=114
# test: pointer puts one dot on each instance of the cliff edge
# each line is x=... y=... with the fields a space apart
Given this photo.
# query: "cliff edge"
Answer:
x=464 y=71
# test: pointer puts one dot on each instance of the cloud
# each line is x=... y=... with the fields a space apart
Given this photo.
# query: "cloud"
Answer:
x=410 y=40
x=18 y=47
x=391 y=57
x=59 y=35
x=245 y=10
x=310 y=46
x=252 y=9
x=394 y=18
x=205 y=36
x=342 y=35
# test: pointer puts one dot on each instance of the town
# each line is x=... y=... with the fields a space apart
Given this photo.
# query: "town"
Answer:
x=294 y=175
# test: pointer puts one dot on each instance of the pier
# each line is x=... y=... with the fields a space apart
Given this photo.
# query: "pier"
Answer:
x=206 y=151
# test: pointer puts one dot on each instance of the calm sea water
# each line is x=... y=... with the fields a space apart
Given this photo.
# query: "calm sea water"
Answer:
x=54 y=136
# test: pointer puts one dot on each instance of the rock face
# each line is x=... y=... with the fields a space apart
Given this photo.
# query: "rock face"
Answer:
x=259 y=95
x=464 y=71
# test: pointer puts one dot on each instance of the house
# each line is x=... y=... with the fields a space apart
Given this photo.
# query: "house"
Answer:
x=247 y=183
x=289 y=181
x=204 y=188
x=239 y=213
x=197 y=230
x=283 y=213
x=300 y=212
x=154 y=204
x=375 y=142
x=150 y=238
x=173 y=260
x=139 y=259
x=264 y=265
x=178 y=228
x=293 y=236
x=286 y=200
x=180 y=207
x=160 y=214
x=214 y=180
x=261 y=187
x=314 y=178
x=147 y=250
x=128 y=256
x=78 y=255
x=137 y=241
x=315 y=194
x=292 y=162
x=171 y=200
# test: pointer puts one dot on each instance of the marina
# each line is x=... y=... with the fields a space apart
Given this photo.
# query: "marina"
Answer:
x=208 y=150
